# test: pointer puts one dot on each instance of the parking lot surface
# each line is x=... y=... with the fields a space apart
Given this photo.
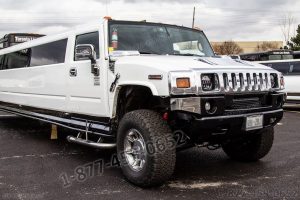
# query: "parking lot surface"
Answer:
x=34 y=167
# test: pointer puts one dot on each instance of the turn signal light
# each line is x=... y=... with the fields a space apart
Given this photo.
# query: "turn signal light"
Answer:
x=183 y=83
x=107 y=18
x=282 y=83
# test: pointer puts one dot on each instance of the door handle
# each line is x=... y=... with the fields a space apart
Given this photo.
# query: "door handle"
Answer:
x=73 y=72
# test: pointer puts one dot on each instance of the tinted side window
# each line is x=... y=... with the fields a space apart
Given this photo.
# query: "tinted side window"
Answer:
x=89 y=38
x=281 y=67
x=296 y=68
x=48 y=54
x=16 y=59
x=1 y=62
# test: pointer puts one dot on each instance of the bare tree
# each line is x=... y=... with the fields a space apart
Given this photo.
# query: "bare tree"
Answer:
x=267 y=46
x=227 y=48
x=286 y=23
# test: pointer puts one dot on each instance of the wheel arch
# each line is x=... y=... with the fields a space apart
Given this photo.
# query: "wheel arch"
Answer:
x=135 y=96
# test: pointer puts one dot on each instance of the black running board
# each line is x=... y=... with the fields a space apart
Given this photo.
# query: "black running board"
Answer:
x=74 y=124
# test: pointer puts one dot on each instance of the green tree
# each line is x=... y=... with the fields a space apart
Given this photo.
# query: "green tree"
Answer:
x=295 y=41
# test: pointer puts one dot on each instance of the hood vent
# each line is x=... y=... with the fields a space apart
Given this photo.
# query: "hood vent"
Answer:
x=242 y=62
x=206 y=61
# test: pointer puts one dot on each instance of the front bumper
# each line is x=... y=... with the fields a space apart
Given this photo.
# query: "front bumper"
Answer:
x=234 y=123
x=230 y=115
x=228 y=105
x=216 y=129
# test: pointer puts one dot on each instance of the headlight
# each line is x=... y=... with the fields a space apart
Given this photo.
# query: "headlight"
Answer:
x=210 y=82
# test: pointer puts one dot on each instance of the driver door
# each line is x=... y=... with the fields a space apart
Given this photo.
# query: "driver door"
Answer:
x=86 y=90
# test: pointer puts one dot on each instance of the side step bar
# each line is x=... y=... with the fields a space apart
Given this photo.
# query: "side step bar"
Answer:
x=90 y=143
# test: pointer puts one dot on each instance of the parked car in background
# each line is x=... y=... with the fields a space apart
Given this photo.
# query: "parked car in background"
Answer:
x=287 y=63
x=296 y=54
x=12 y=39
x=280 y=54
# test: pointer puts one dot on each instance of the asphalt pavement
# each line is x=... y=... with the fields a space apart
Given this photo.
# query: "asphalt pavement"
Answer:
x=34 y=167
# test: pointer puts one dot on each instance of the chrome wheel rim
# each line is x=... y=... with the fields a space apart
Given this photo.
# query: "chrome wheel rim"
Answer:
x=135 y=150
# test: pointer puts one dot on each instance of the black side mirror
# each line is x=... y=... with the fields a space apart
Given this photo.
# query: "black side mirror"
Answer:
x=87 y=52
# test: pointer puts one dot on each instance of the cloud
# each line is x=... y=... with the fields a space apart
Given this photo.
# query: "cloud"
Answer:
x=221 y=20
x=162 y=1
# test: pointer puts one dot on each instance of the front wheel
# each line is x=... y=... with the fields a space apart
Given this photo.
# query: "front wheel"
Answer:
x=146 y=148
x=250 y=148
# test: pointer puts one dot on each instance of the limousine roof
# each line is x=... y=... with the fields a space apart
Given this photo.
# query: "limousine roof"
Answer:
x=49 y=38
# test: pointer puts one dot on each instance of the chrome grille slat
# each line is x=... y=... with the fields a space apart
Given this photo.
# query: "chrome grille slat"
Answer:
x=252 y=83
x=221 y=81
x=229 y=87
x=262 y=83
x=238 y=83
x=245 y=81
x=248 y=82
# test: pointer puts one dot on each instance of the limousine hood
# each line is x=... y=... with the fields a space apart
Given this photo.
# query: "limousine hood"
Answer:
x=138 y=70
x=184 y=63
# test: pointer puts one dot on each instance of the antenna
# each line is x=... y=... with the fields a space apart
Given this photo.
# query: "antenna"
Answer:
x=106 y=5
x=193 y=25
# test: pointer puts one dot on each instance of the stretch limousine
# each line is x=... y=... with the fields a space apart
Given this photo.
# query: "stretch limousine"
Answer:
x=147 y=89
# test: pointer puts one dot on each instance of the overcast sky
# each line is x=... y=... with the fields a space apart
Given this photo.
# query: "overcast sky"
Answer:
x=220 y=19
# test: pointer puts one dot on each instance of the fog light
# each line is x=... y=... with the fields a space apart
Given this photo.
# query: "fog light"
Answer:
x=207 y=106
x=272 y=120
x=210 y=107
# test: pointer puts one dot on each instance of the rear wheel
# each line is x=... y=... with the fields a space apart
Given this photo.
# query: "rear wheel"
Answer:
x=251 y=147
x=146 y=148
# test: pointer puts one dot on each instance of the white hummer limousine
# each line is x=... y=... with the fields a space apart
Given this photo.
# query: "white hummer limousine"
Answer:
x=148 y=89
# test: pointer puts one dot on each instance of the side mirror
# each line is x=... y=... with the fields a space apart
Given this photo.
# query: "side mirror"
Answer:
x=87 y=52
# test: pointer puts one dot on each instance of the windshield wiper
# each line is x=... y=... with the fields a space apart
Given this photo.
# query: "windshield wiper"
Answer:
x=147 y=52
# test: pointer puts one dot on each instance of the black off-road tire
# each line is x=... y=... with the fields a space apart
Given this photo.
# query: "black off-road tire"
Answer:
x=252 y=147
x=160 y=158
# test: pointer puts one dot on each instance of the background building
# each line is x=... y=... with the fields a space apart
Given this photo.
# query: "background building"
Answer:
x=255 y=46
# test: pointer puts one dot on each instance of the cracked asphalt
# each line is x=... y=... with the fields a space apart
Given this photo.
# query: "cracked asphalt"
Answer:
x=34 y=167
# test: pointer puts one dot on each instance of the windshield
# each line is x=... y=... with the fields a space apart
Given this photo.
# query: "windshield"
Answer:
x=158 y=39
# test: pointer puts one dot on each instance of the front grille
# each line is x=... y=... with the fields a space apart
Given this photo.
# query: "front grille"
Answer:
x=239 y=82
x=247 y=103
x=246 y=81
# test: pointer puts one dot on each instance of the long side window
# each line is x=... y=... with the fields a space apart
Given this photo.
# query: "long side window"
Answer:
x=45 y=54
x=17 y=59
x=48 y=54
x=89 y=38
